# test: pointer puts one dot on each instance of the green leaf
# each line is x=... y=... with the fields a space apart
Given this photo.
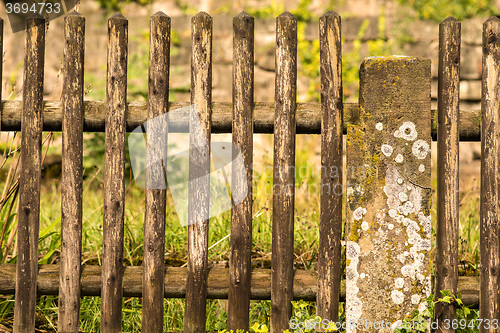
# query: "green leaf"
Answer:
x=466 y=311
x=50 y=253
x=445 y=293
x=48 y=230
x=446 y=299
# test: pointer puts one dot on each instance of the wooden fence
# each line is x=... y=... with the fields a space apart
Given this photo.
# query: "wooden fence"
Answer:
x=112 y=281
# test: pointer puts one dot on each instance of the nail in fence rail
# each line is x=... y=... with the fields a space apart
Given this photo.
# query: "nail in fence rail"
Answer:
x=156 y=195
x=388 y=231
x=72 y=173
x=29 y=186
x=329 y=252
x=114 y=175
x=446 y=274
x=283 y=172
x=490 y=167
x=199 y=172
x=241 y=214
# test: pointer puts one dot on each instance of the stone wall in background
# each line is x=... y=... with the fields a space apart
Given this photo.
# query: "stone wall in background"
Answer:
x=388 y=26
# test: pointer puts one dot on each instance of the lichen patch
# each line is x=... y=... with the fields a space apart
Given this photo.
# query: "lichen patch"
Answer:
x=397 y=296
x=406 y=131
x=420 y=149
x=399 y=283
x=354 y=306
x=404 y=202
x=364 y=226
x=358 y=213
x=387 y=150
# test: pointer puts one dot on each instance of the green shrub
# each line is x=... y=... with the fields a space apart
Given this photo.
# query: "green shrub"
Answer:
x=438 y=10
x=115 y=4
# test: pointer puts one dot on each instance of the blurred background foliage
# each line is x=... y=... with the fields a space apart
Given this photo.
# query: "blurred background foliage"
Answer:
x=117 y=4
x=438 y=10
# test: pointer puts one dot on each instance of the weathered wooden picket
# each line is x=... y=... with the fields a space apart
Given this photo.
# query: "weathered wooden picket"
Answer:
x=392 y=88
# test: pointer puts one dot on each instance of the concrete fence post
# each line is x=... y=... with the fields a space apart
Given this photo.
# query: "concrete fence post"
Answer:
x=388 y=235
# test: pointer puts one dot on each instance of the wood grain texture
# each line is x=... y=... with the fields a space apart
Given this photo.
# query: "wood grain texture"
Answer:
x=241 y=185
x=29 y=181
x=114 y=175
x=490 y=167
x=284 y=172
x=199 y=172
x=330 y=232
x=447 y=169
x=305 y=283
x=154 y=219
x=72 y=173
x=308 y=118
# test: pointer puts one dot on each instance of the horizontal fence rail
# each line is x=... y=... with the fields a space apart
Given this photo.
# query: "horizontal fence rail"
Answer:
x=305 y=283
x=308 y=118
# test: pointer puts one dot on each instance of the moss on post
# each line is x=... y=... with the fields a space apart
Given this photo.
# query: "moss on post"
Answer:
x=388 y=192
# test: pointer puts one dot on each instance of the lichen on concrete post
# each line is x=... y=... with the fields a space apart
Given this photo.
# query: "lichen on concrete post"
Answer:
x=388 y=234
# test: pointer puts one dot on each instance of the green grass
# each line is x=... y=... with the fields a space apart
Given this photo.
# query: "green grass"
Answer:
x=306 y=228
x=306 y=235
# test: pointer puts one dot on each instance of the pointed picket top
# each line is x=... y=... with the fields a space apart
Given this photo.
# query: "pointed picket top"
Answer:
x=160 y=14
x=491 y=25
x=243 y=21
x=74 y=13
x=118 y=17
x=243 y=14
x=202 y=18
x=329 y=14
x=202 y=15
x=35 y=19
x=160 y=18
x=450 y=19
x=493 y=19
x=75 y=17
x=286 y=14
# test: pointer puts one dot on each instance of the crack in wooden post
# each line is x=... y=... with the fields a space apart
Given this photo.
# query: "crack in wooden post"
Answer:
x=199 y=168
x=241 y=214
x=114 y=175
x=72 y=174
x=330 y=232
x=156 y=196
x=490 y=166
x=29 y=182
x=284 y=172
x=447 y=170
